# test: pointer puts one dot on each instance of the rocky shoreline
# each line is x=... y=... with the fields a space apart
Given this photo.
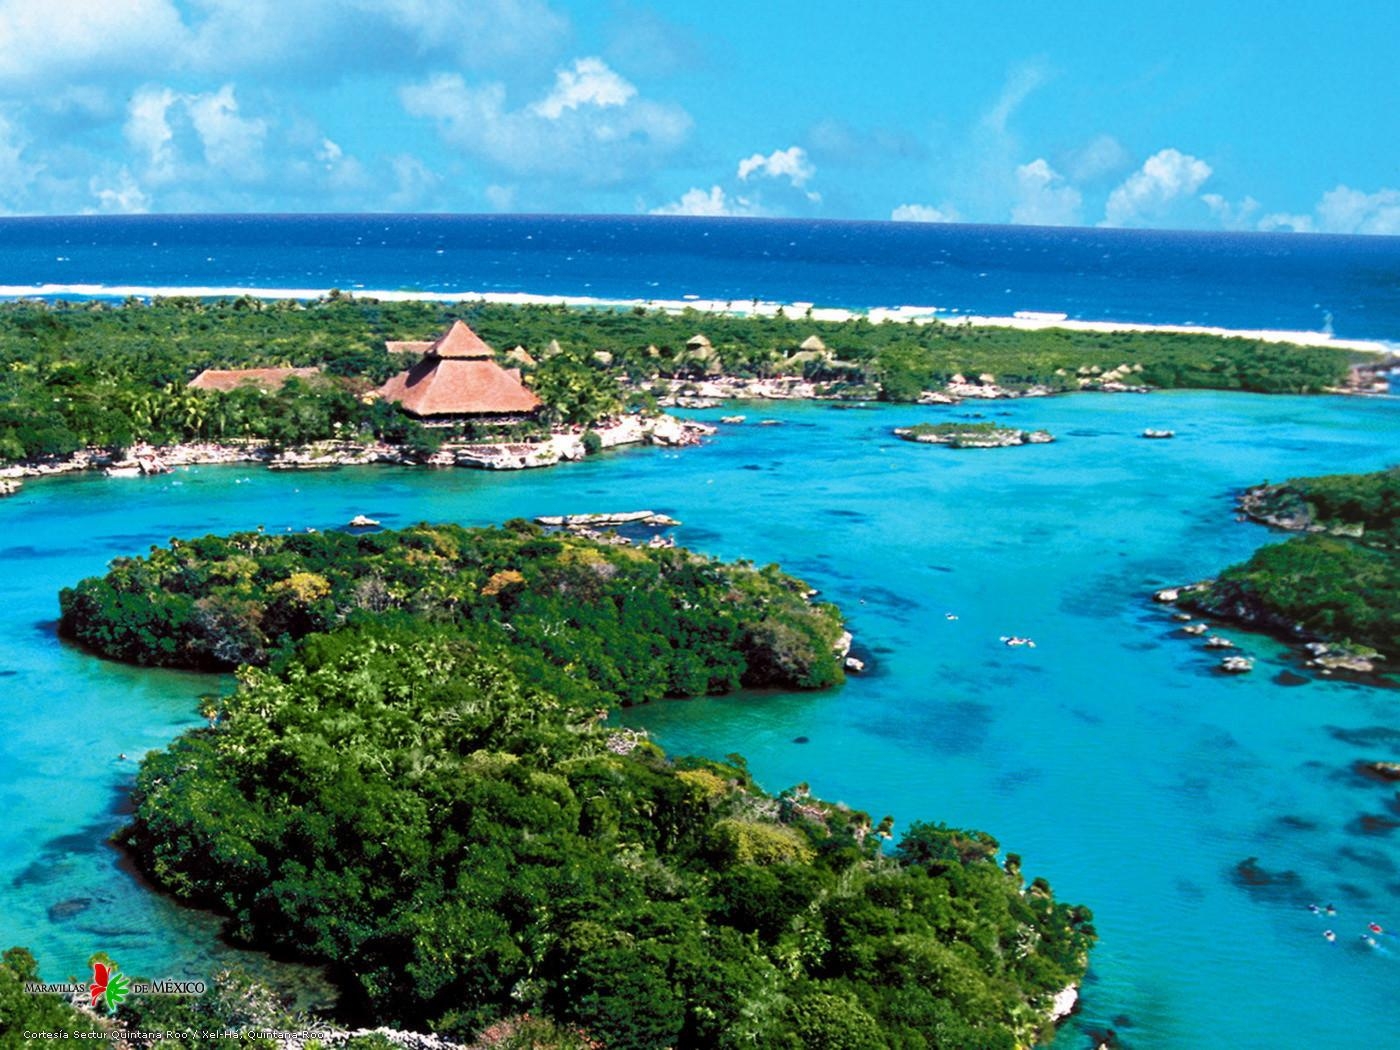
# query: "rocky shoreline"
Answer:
x=563 y=446
x=1323 y=656
x=1284 y=507
x=709 y=391
x=982 y=435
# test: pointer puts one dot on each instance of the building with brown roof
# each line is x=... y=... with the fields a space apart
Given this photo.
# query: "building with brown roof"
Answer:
x=268 y=379
x=459 y=377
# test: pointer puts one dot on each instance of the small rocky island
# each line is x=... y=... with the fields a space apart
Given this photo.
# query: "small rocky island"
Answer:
x=972 y=435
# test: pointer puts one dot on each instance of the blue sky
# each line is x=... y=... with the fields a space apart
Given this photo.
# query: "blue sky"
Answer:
x=1197 y=114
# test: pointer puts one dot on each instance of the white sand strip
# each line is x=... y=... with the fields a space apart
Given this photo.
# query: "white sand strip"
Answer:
x=738 y=308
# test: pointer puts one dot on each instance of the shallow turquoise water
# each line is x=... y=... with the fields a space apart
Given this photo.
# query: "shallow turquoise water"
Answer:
x=1111 y=756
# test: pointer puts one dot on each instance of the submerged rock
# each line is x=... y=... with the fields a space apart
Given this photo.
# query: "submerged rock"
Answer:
x=68 y=908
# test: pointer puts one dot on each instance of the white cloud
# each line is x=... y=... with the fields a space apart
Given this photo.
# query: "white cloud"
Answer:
x=1148 y=194
x=125 y=198
x=1230 y=215
x=1104 y=155
x=1018 y=87
x=1286 y=221
x=589 y=83
x=51 y=42
x=62 y=41
x=16 y=173
x=414 y=182
x=790 y=163
x=924 y=213
x=1345 y=210
x=587 y=129
x=148 y=129
x=501 y=198
x=713 y=203
x=232 y=144
x=1044 y=198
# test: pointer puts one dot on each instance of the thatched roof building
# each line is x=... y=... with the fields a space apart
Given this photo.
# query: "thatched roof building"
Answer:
x=458 y=376
x=812 y=342
x=269 y=379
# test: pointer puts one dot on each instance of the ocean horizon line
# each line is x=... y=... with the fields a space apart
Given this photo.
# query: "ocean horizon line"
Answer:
x=736 y=220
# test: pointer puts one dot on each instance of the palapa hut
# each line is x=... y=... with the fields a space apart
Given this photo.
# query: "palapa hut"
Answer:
x=813 y=342
x=268 y=379
x=459 y=378
x=520 y=356
x=408 y=346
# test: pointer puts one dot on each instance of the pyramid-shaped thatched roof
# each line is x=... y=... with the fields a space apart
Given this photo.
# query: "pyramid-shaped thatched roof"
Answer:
x=460 y=341
x=458 y=376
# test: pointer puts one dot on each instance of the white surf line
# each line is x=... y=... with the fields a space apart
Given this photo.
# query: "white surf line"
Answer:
x=918 y=315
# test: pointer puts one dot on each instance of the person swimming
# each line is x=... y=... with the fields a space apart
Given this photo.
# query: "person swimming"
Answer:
x=1329 y=935
x=1330 y=909
x=1314 y=909
x=1375 y=927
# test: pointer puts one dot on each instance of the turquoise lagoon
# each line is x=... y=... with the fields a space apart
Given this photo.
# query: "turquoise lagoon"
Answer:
x=1111 y=756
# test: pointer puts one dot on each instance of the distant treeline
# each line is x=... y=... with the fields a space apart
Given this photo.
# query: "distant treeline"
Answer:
x=75 y=374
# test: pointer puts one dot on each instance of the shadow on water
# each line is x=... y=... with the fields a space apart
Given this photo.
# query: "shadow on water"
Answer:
x=958 y=727
x=1368 y=736
x=1263 y=884
x=1372 y=825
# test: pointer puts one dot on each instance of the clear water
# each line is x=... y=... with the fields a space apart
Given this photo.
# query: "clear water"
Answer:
x=1111 y=756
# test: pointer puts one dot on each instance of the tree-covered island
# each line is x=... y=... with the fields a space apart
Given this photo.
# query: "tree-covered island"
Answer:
x=1338 y=586
x=628 y=624
x=110 y=376
x=417 y=790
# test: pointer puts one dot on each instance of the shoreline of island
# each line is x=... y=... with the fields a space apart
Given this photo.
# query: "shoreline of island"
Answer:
x=1024 y=320
x=569 y=444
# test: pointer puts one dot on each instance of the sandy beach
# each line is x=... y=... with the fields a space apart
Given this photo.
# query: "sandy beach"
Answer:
x=736 y=308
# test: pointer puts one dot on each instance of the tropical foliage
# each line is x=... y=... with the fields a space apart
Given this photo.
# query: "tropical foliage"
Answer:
x=106 y=374
x=1339 y=588
x=1367 y=505
x=460 y=844
x=634 y=623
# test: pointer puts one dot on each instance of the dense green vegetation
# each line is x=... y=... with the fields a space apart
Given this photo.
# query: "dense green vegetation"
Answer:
x=459 y=843
x=1314 y=587
x=1341 y=588
x=22 y=1012
x=919 y=430
x=109 y=375
x=633 y=623
x=1368 y=504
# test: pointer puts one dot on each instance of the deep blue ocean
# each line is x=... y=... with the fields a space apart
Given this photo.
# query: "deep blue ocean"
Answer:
x=1113 y=757
x=1232 y=280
